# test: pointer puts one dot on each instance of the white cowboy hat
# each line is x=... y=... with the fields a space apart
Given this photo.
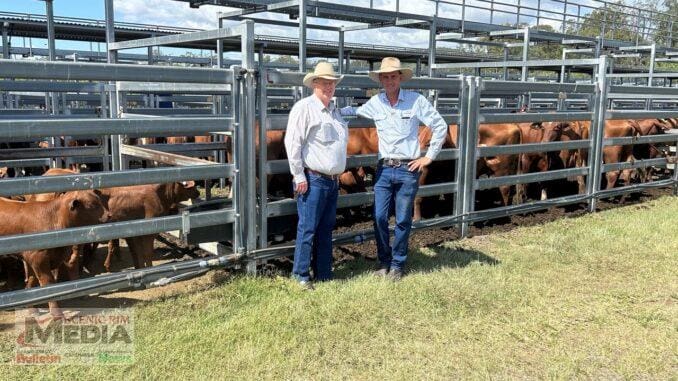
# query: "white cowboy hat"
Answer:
x=322 y=70
x=389 y=65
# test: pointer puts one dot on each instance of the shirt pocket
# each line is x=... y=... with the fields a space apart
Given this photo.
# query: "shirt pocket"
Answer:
x=327 y=133
x=404 y=123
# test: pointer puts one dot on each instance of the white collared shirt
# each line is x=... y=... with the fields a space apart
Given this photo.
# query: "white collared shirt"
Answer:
x=316 y=138
x=398 y=125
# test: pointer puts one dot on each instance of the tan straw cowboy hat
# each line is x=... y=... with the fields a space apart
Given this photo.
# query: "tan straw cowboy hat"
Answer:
x=389 y=65
x=322 y=70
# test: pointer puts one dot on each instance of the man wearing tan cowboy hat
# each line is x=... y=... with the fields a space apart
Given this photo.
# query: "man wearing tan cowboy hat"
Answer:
x=397 y=114
x=316 y=141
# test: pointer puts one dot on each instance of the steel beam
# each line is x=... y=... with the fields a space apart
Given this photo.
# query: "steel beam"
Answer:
x=26 y=129
x=110 y=72
x=98 y=180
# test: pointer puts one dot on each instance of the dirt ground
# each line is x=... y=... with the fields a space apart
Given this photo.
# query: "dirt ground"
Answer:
x=169 y=249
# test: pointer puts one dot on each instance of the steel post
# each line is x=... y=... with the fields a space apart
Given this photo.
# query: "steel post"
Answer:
x=597 y=134
x=113 y=95
x=263 y=158
x=248 y=183
x=302 y=42
x=469 y=148
x=650 y=74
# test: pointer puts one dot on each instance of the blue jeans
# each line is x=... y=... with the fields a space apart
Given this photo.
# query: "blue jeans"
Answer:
x=317 y=210
x=394 y=186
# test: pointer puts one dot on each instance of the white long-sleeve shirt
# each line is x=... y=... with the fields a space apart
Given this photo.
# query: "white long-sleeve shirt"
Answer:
x=398 y=125
x=316 y=138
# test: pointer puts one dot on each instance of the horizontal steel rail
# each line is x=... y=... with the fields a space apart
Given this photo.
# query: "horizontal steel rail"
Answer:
x=162 y=157
x=104 y=232
x=32 y=153
x=644 y=90
x=635 y=188
x=640 y=140
x=513 y=87
x=41 y=86
x=660 y=162
x=112 y=282
x=110 y=72
x=512 y=149
x=174 y=39
x=98 y=180
x=27 y=163
x=533 y=117
x=532 y=63
x=14 y=129
x=187 y=147
x=181 y=88
x=350 y=80
x=494 y=182
x=624 y=114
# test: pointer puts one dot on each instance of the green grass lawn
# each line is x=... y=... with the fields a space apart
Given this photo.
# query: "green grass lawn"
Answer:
x=587 y=297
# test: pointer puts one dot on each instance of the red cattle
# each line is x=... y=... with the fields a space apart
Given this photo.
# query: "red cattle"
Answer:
x=618 y=154
x=495 y=166
x=72 y=209
x=650 y=151
x=144 y=201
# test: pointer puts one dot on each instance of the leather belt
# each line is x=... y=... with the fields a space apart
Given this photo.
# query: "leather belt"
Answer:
x=391 y=162
x=329 y=177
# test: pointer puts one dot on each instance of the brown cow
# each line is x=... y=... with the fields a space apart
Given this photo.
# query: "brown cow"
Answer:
x=73 y=209
x=650 y=151
x=567 y=131
x=618 y=154
x=144 y=201
x=495 y=166
x=531 y=162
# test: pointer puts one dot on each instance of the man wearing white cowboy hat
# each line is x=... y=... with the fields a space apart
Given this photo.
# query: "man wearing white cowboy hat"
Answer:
x=397 y=114
x=316 y=141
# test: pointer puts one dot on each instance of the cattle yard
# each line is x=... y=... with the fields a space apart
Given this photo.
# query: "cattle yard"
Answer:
x=607 y=127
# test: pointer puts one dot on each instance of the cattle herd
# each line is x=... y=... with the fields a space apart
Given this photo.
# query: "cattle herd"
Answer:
x=44 y=212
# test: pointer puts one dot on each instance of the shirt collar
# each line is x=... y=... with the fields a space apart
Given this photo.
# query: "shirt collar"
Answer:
x=319 y=104
x=401 y=96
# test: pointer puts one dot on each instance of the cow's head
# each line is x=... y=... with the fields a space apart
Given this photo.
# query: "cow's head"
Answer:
x=82 y=208
x=554 y=130
x=186 y=190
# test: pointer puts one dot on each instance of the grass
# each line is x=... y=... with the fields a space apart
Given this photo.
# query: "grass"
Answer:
x=587 y=297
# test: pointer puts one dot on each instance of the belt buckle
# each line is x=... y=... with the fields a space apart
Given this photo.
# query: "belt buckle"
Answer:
x=395 y=163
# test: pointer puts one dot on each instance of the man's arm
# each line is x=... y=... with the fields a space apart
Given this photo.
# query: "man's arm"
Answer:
x=364 y=111
x=295 y=136
x=427 y=114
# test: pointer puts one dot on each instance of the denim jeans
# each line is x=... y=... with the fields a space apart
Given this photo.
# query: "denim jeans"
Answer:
x=395 y=186
x=317 y=210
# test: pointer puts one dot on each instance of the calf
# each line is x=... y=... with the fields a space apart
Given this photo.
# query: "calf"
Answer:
x=72 y=209
x=144 y=201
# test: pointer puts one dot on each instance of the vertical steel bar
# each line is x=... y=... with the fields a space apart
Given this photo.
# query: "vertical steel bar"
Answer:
x=249 y=181
x=418 y=67
x=471 y=143
x=263 y=157
x=597 y=134
x=104 y=139
x=432 y=45
x=5 y=54
x=53 y=102
x=237 y=150
x=462 y=131
x=112 y=57
x=343 y=101
x=302 y=42
x=650 y=74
